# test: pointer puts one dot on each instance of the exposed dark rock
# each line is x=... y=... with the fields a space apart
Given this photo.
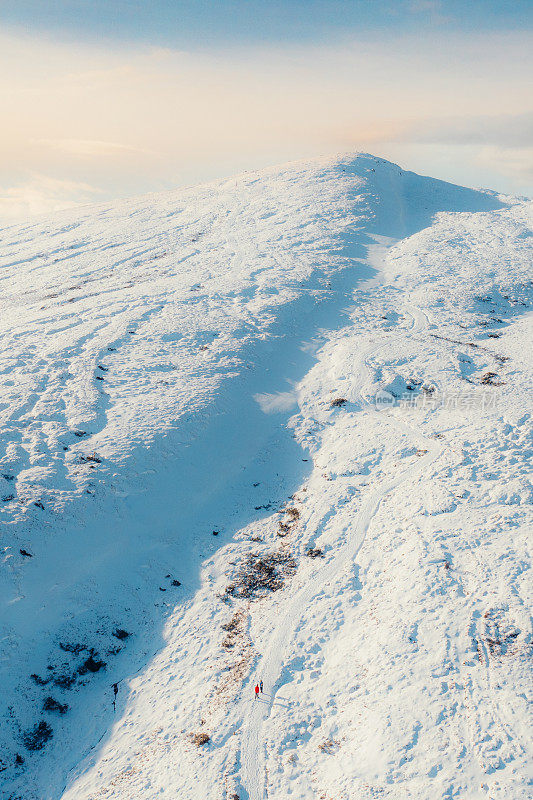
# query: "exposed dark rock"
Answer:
x=38 y=680
x=92 y=458
x=200 y=739
x=37 y=737
x=72 y=648
x=65 y=681
x=91 y=665
x=314 y=552
x=338 y=402
x=50 y=704
x=261 y=574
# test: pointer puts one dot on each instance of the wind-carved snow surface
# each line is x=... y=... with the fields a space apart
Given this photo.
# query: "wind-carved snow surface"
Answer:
x=169 y=433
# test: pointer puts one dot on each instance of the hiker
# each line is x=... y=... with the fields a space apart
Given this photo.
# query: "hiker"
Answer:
x=115 y=692
x=256 y=691
x=261 y=686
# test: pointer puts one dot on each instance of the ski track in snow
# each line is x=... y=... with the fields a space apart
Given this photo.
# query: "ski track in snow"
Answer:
x=173 y=337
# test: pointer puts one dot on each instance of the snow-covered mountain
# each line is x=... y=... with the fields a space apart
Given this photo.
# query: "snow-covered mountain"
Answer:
x=275 y=427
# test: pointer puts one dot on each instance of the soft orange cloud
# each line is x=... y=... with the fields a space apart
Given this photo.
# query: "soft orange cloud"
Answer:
x=133 y=119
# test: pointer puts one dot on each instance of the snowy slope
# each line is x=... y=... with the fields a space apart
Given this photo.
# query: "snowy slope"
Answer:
x=168 y=367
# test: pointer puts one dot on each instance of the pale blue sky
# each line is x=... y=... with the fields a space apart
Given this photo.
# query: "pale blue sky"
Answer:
x=107 y=98
x=204 y=23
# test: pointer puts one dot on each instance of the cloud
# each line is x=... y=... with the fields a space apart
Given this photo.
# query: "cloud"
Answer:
x=91 y=147
x=127 y=119
x=277 y=402
x=504 y=130
x=42 y=194
x=500 y=145
x=516 y=162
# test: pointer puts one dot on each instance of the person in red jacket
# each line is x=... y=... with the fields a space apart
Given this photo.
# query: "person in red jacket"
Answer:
x=256 y=691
